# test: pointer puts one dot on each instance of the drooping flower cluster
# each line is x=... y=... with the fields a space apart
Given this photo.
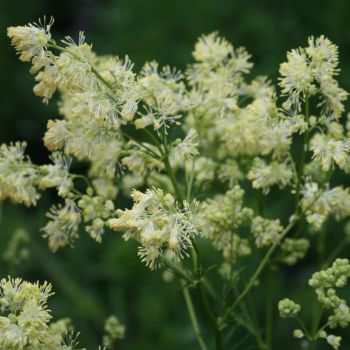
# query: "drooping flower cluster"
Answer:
x=158 y=222
x=57 y=175
x=18 y=176
x=25 y=318
x=329 y=151
x=31 y=43
x=320 y=204
x=63 y=227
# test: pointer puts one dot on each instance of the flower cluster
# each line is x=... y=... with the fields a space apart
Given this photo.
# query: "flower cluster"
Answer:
x=158 y=222
x=265 y=232
x=95 y=210
x=114 y=330
x=293 y=250
x=57 y=175
x=325 y=283
x=319 y=204
x=25 y=318
x=63 y=227
x=222 y=218
x=310 y=71
x=288 y=308
x=17 y=248
x=263 y=175
x=171 y=139
x=18 y=176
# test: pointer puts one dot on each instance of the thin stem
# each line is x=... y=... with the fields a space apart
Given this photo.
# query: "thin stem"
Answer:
x=193 y=316
x=154 y=139
x=313 y=344
x=203 y=297
x=93 y=69
x=316 y=322
x=250 y=325
x=177 y=269
x=269 y=310
x=258 y=271
x=334 y=254
x=190 y=183
x=303 y=327
x=204 y=300
x=141 y=144
x=172 y=177
x=321 y=246
x=98 y=75
x=195 y=254
x=303 y=153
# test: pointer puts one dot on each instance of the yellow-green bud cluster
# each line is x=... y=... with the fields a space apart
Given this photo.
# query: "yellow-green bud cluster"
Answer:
x=265 y=231
x=222 y=218
x=96 y=210
x=288 y=308
x=114 y=330
x=293 y=249
x=325 y=283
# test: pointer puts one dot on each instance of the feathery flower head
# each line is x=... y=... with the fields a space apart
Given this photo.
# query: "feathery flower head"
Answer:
x=158 y=223
x=62 y=229
x=31 y=42
x=18 y=176
x=57 y=174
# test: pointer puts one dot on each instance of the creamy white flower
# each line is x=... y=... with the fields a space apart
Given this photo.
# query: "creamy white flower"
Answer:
x=264 y=175
x=328 y=150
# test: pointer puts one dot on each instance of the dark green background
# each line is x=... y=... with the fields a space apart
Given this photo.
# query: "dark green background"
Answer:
x=92 y=281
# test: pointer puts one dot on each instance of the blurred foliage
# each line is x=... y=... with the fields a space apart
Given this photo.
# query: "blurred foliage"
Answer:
x=93 y=281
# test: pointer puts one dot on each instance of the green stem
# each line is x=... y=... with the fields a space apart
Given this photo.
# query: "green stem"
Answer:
x=178 y=270
x=258 y=271
x=172 y=177
x=154 y=139
x=141 y=144
x=212 y=318
x=316 y=323
x=269 y=310
x=321 y=245
x=203 y=297
x=193 y=316
x=190 y=184
x=313 y=344
x=93 y=69
x=195 y=254
x=304 y=329
x=334 y=254
x=251 y=325
x=303 y=153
